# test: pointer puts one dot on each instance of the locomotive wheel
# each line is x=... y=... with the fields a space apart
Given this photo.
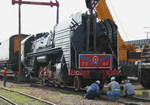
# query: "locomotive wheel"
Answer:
x=145 y=79
x=77 y=83
x=41 y=76
x=62 y=85
x=49 y=79
x=43 y=79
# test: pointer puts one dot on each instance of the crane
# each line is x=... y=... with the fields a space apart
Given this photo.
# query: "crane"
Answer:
x=127 y=53
x=104 y=13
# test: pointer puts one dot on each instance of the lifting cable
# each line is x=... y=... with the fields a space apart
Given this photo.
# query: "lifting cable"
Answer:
x=118 y=19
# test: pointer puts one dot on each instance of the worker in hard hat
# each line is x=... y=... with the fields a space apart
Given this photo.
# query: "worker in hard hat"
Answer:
x=128 y=88
x=93 y=91
x=114 y=89
x=4 y=76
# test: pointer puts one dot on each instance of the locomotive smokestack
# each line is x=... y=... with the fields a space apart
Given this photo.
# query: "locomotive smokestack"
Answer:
x=91 y=4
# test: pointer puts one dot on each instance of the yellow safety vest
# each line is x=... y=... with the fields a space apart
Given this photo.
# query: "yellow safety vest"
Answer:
x=117 y=89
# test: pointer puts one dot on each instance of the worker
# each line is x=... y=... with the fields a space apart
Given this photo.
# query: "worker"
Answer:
x=114 y=89
x=4 y=76
x=93 y=91
x=128 y=88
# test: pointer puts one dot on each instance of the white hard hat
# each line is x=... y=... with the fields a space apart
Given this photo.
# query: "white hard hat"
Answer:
x=112 y=78
x=126 y=81
x=98 y=82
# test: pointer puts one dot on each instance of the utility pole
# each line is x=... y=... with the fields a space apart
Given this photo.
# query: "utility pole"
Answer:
x=19 y=63
x=147 y=32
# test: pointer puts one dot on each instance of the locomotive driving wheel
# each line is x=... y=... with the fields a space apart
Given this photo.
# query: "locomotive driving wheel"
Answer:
x=41 y=76
x=77 y=83
x=49 y=77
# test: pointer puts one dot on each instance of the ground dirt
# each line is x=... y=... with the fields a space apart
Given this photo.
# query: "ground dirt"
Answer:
x=58 y=96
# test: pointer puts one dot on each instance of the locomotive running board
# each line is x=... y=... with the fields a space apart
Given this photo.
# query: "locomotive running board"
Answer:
x=45 y=51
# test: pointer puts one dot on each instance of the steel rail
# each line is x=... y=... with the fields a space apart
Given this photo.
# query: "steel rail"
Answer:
x=137 y=98
x=7 y=100
x=47 y=102
x=121 y=100
x=134 y=98
x=142 y=99
x=102 y=94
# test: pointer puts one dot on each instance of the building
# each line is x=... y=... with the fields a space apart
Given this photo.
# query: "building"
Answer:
x=139 y=44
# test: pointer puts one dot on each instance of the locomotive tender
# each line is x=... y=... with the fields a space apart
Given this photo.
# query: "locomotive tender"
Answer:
x=77 y=52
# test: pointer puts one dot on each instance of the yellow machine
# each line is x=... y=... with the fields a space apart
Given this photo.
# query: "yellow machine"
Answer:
x=104 y=13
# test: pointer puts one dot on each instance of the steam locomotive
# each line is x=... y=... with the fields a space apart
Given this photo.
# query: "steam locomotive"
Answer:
x=76 y=53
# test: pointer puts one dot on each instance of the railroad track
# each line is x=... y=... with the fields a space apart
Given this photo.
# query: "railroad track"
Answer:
x=122 y=100
x=131 y=100
x=7 y=101
x=13 y=103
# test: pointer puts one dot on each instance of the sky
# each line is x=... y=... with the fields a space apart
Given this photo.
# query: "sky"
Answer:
x=131 y=16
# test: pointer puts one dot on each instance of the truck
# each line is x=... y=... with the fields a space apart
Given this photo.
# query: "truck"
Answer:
x=144 y=67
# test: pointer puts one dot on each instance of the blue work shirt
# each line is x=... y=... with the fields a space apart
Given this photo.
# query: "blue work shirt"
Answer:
x=130 y=90
x=93 y=88
x=113 y=85
x=115 y=92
